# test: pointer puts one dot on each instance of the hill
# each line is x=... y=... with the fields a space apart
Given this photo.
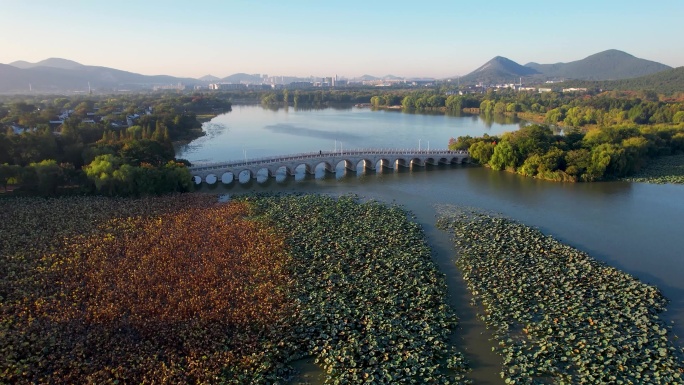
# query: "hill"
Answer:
x=51 y=62
x=499 y=70
x=667 y=82
x=209 y=78
x=607 y=65
x=242 y=78
x=61 y=75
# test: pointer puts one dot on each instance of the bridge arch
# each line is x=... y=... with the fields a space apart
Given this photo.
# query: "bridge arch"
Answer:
x=227 y=177
x=307 y=168
x=384 y=163
x=346 y=164
x=349 y=160
x=247 y=173
x=327 y=166
x=364 y=164
x=289 y=171
x=211 y=179
x=401 y=162
x=265 y=169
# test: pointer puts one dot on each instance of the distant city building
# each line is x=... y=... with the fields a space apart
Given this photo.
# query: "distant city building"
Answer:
x=227 y=86
x=300 y=85
x=574 y=90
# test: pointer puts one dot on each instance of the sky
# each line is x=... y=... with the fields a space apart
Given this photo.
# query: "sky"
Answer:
x=325 y=38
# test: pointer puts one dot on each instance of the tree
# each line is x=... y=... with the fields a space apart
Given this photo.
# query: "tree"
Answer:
x=149 y=151
x=486 y=107
x=409 y=102
x=49 y=176
x=678 y=117
x=554 y=116
x=481 y=151
x=503 y=156
x=577 y=162
x=8 y=173
x=101 y=172
x=499 y=108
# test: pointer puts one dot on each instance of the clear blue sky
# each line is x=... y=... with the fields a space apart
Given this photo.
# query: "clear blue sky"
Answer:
x=322 y=38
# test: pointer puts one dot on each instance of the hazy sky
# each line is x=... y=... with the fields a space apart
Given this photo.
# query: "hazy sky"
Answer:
x=321 y=38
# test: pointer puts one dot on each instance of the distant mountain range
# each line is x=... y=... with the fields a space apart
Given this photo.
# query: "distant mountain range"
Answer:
x=62 y=75
x=607 y=65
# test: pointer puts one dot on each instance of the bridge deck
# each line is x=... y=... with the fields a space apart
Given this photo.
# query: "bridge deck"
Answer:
x=323 y=155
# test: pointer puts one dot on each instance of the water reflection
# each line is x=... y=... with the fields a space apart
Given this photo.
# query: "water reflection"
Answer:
x=290 y=129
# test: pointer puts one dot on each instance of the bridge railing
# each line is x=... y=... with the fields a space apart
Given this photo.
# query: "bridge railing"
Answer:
x=321 y=154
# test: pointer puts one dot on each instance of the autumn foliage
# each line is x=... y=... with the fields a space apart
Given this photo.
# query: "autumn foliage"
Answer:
x=176 y=297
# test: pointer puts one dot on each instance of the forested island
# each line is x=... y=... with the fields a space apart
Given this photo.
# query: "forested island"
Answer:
x=605 y=136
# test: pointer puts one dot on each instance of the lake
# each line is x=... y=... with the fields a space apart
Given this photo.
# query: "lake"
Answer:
x=632 y=226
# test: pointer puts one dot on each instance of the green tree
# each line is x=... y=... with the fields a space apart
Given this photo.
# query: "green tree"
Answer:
x=101 y=172
x=149 y=151
x=49 y=177
x=481 y=151
x=678 y=117
x=486 y=107
x=503 y=156
x=531 y=166
x=577 y=162
x=500 y=108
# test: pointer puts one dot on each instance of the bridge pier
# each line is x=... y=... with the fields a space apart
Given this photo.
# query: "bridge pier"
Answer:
x=366 y=160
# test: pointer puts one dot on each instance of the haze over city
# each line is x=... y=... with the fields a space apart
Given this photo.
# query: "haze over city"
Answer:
x=306 y=38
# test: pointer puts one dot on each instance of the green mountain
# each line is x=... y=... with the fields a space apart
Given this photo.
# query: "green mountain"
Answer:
x=499 y=70
x=665 y=82
x=607 y=65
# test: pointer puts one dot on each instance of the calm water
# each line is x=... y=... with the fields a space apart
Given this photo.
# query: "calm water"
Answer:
x=256 y=132
x=634 y=227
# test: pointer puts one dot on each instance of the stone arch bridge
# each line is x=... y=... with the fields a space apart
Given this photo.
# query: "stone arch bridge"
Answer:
x=369 y=159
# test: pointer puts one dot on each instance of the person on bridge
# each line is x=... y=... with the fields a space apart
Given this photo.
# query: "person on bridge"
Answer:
x=320 y=152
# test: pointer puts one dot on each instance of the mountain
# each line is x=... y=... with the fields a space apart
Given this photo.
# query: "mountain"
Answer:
x=11 y=78
x=51 y=62
x=666 y=82
x=61 y=75
x=607 y=65
x=367 y=78
x=499 y=70
x=209 y=78
x=241 y=78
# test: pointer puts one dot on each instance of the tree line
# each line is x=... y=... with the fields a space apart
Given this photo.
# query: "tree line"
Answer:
x=598 y=154
x=568 y=109
x=94 y=150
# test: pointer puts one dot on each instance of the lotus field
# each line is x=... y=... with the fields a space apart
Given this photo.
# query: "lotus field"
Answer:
x=183 y=289
x=558 y=315
x=666 y=169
